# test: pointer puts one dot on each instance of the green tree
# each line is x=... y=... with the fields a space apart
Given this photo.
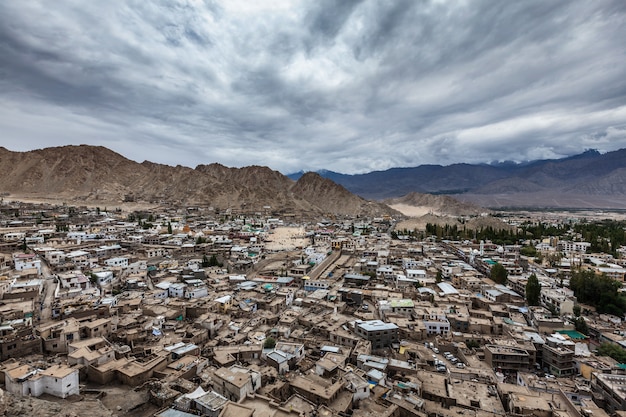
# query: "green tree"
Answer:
x=499 y=274
x=533 y=290
x=472 y=344
x=169 y=227
x=614 y=351
x=576 y=310
x=270 y=343
x=528 y=251
x=214 y=262
x=439 y=277
x=581 y=326
x=205 y=261
x=599 y=291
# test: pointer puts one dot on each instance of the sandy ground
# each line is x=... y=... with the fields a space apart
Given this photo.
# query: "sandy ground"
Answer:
x=110 y=205
x=412 y=211
x=286 y=238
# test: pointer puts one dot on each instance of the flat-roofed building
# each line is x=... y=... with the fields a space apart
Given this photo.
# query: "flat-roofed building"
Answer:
x=236 y=382
x=507 y=358
x=379 y=333
x=609 y=390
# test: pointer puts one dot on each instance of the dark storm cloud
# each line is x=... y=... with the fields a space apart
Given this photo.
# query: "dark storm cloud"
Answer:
x=345 y=85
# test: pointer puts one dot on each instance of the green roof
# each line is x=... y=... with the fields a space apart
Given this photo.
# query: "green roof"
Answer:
x=402 y=303
x=573 y=334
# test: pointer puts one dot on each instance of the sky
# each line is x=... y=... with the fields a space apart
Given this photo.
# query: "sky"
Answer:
x=348 y=86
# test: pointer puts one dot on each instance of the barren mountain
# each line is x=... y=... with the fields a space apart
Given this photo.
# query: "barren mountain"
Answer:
x=590 y=179
x=417 y=204
x=97 y=174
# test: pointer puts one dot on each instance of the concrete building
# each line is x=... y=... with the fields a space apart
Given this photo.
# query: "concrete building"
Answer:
x=507 y=358
x=610 y=391
x=379 y=333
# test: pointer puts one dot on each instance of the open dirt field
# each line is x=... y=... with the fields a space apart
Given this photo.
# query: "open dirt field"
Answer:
x=286 y=238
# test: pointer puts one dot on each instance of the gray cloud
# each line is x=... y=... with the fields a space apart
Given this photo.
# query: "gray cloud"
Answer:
x=348 y=86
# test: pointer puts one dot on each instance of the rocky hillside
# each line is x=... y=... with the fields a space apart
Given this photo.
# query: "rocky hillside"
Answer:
x=417 y=204
x=97 y=174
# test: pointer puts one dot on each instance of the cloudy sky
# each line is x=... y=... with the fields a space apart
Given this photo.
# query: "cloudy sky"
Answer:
x=351 y=86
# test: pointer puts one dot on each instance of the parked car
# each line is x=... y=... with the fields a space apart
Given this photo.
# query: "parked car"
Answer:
x=460 y=365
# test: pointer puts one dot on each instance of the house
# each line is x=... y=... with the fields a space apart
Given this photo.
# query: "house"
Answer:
x=177 y=289
x=58 y=335
x=357 y=385
x=210 y=404
x=58 y=380
x=17 y=339
x=436 y=323
x=25 y=261
x=285 y=356
x=90 y=351
x=225 y=303
x=236 y=382
x=117 y=262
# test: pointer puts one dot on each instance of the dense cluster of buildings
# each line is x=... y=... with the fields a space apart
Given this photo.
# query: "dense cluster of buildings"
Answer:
x=230 y=314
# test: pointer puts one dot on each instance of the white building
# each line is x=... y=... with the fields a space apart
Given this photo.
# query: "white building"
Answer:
x=24 y=261
x=104 y=277
x=117 y=262
x=560 y=299
x=568 y=246
x=58 y=380
x=177 y=289
x=436 y=323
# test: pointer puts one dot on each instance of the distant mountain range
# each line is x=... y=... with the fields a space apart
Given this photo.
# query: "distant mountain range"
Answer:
x=97 y=175
x=588 y=180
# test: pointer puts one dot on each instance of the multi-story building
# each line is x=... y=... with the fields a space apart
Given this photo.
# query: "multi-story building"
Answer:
x=507 y=358
x=379 y=333
x=610 y=390
x=559 y=360
x=569 y=246
x=561 y=300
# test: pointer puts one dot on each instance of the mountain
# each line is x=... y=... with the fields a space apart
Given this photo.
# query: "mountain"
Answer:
x=417 y=204
x=590 y=179
x=98 y=175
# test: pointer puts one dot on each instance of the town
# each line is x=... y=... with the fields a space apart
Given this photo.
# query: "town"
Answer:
x=186 y=311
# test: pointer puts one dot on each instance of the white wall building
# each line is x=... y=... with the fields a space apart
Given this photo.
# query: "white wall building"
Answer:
x=58 y=380
x=118 y=262
x=24 y=261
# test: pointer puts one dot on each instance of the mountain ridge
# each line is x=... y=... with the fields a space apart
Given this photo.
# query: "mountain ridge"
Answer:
x=591 y=178
x=97 y=174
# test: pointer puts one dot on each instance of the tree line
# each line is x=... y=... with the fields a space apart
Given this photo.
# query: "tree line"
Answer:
x=598 y=291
